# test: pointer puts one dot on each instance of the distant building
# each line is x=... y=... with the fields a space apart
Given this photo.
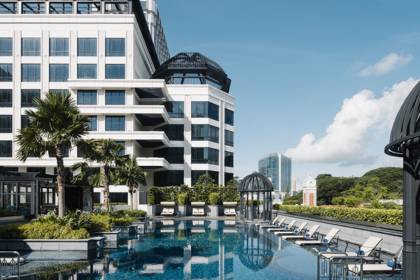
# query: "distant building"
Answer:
x=293 y=190
x=286 y=174
x=269 y=167
x=309 y=189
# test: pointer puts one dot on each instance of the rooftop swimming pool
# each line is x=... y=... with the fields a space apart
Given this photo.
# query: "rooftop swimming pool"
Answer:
x=192 y=250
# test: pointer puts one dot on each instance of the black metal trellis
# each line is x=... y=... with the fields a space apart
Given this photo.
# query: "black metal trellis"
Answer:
x=256 y=197
x=405 y=143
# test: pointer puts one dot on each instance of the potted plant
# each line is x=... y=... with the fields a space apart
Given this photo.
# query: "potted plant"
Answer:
x=182 y=200
x=153 y=198
x=214 y=204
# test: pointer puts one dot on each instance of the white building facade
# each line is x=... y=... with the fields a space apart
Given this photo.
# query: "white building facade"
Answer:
x=102 y=53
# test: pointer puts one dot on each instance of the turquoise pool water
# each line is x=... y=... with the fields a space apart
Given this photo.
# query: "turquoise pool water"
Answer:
x=197 y=250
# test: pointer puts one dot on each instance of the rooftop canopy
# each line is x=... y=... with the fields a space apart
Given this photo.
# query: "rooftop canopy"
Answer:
x=255 y=182
x=193 y=68
x=405 y=132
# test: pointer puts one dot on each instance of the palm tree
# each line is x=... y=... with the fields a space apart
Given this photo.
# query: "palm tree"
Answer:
x=105 y=152
x=53 y=127
x=131 y=175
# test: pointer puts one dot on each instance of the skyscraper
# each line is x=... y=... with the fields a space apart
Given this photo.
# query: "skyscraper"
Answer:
x=175 y=116
x=278 y=169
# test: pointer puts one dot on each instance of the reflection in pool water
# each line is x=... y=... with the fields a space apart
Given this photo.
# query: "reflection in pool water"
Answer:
x=197 y=250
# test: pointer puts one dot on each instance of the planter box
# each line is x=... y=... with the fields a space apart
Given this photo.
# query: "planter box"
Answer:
x=111 y=238
x=126 y=230
x=213 y=211
x=141 y=226
x=151 y=210
x=182 y=210
x=11 y=219
x=93 y=243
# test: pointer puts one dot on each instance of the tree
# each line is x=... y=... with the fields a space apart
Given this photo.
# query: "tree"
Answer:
x=53 y=127
x=106 y=153
x=131 y=175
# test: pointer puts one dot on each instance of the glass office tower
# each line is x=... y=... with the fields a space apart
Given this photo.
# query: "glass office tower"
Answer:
x=269 y=167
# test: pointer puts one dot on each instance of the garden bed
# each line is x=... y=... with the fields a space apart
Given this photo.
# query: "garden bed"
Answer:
x=92 y=243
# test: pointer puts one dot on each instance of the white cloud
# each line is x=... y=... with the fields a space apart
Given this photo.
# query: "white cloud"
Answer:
x=361 y=118
x=386 y=64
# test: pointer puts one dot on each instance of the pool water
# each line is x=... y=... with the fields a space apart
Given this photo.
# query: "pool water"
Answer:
x=199 y=250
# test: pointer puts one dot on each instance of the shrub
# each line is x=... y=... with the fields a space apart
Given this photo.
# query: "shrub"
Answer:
x=214 y=198
x=100 y=222
x=42 y=230
x=377 y=216
x=182 y=198
x=136 y=213
x=154 y=196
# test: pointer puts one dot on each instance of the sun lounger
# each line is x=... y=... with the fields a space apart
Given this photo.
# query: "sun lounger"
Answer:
x=288 y=227
x=325 y=241
x=198 y=208
x=309 y=235
x=168 y=208
x=229 y=208
x=276 y=223
x=365 y=250
x=296 y=231
x=392 y=266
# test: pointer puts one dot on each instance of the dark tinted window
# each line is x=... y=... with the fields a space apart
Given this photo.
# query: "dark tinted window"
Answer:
x=31 y=73
x=6 y=46
x=33 y=8
x=114 y=123
x=169 y=178
x=28 y=97
x=5 y=148
x=61 y=8
x=195 y=174
x=205 y=155
x=115 y=71
x=86 y=71
x=229 y=117
x=86 y=97
x=175 y=132
x=204 y=132
x=6 y=72
x=93 y=123
x=86 y=46
x=115 y=47
x=114 y=97
x=201 y=109
x=5 y=123
x=31 y=47
x=6 y=97
x=59 y=46
x=172 y=155
x=228 y=138
x=229 y=159
x=118 y=197
x=175 y=109
x=59 y=72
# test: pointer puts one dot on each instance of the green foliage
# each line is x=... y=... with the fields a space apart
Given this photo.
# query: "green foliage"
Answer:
x=42 y=230
x=214 y=198
x=182 y=198
x=350 y=201
x=229 y=193
x=129 y=213
x=330 y=187
x=203 y=187
x=293 y=200
x=377 y=216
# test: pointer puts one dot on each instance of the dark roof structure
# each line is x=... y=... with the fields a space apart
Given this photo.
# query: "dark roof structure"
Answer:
x=255 y=182
x=405 y=131
x=193 y=68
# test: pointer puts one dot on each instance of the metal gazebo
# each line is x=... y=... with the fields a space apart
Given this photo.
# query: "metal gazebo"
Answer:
x=255 y=192
x=405 y=143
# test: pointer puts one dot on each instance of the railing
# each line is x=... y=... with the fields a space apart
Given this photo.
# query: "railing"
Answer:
x=9 y=265
x=338 y=268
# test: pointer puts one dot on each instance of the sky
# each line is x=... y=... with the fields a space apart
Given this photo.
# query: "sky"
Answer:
x=320 y=81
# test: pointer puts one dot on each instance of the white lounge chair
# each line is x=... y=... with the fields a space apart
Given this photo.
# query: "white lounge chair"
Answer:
x=198 y=208
x=365 y=250
x=289 y=227
x=229 y=208
x=300 y=229
x=276 y=223
x=392 y=266
x=309 y=235
x=168 y=208
x=325 y=241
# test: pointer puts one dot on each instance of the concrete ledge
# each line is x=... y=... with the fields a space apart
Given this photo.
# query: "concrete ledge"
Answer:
x=92 y=243
x=11 y=219
x=126 y=230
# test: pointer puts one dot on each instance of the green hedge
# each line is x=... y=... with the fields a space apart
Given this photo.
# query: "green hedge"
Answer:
x=377 y=216
x=42 y=230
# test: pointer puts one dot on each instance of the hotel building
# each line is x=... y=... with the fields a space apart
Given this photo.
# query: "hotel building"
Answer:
x=174 y=115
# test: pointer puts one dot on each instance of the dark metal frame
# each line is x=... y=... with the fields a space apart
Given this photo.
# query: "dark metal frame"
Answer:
x=405 y=143
x=256 y=187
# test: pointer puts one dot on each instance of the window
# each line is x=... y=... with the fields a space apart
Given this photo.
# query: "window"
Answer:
x=86 y=71
x=174 y=132
x=6 y=46
x=33 y=8
x=115 y=47
x=205 y=155
x=59 y=72
x=86 y=97
x=93 y=123
x=116 y=8
x=228 y=138
x=118 y=197
x=31 y=72
x=6 y=97
x=5 y=124
x=168 y=178
x=59 y=46
x=8 y=8
x=114 y=123
x=59 y=91
x=61 y=8
x=86 y=46
x=6 y=74
x=204 y=110
x=88 y=8
x=195 y=174
x=204 y=132
x=172 y=155
x=31 y=47
x=175 y=109
x=114 y=97
x=229 y=117
x=5 y=148
x=28 y=97
x=24 y=121
x=114 y=71
x=229 y=159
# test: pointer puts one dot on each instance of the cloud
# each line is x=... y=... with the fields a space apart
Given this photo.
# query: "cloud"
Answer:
x=361 y=118
x=386 y=64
